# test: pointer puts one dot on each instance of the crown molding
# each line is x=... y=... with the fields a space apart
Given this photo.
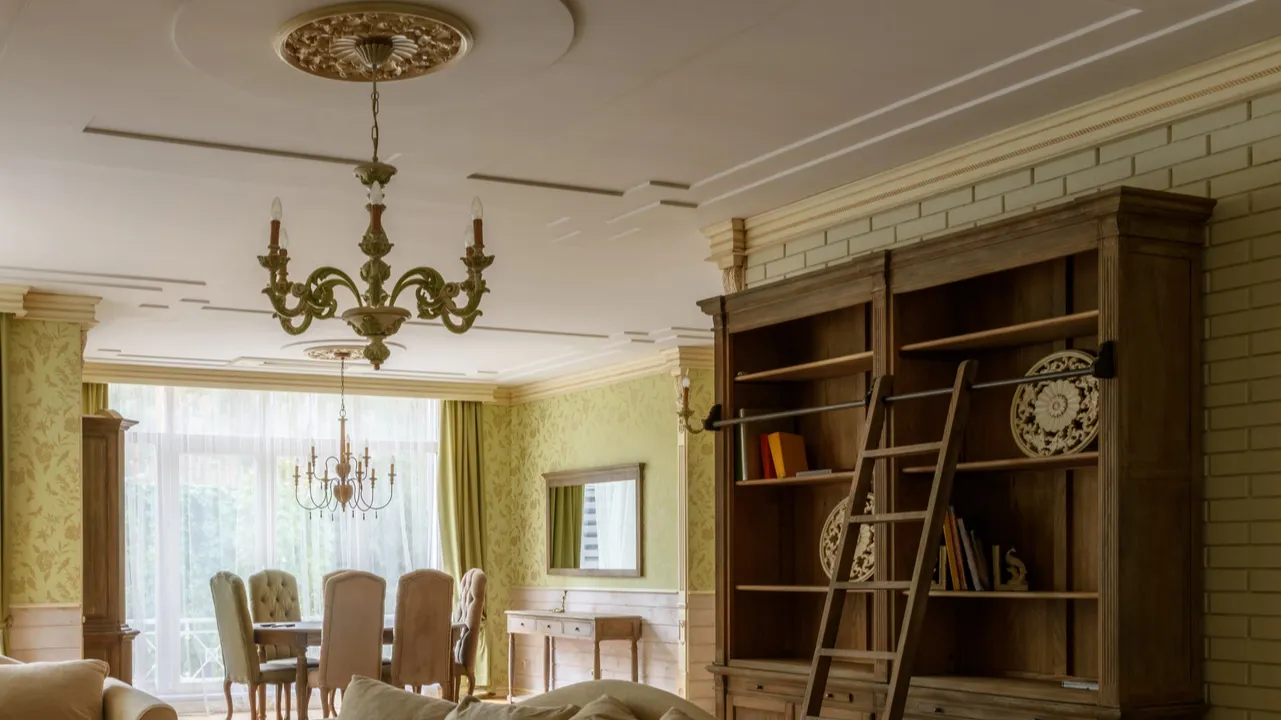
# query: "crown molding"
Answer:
x=11 y=300
x=671 y=360
x=56 y=307
x=1229 y=78
x=291 y=382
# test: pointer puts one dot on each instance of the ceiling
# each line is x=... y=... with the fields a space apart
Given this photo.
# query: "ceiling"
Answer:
x=628 y=125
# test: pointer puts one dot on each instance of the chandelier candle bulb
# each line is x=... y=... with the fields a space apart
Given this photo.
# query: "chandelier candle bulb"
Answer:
x=277 y=211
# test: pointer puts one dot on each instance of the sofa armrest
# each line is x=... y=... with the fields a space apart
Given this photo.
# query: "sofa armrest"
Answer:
x=124 y=702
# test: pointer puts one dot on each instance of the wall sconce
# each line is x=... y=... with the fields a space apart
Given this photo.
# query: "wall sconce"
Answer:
x=685 y=412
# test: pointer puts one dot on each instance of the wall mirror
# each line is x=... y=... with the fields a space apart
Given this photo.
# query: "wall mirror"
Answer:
x=594 y=521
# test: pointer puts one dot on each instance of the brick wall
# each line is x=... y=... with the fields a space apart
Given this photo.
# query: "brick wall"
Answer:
x=1232 y=154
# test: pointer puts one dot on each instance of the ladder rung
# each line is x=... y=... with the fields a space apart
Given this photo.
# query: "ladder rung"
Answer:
x=904 y=450
x=898 y=517
x=874 y=585
x=842 y=654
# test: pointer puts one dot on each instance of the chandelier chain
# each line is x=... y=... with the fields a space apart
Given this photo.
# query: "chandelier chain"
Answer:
x=342 y=389
x=373 y=98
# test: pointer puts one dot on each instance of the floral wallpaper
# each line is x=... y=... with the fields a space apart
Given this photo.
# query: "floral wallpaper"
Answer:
x=495 y=467
x=43 y=513
x=700 y=485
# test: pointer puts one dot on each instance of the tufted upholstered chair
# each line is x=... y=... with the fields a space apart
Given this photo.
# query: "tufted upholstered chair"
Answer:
x=471 y=611
x=273 y=597
x=422 y=650
x=239 y=657
x=351 y=639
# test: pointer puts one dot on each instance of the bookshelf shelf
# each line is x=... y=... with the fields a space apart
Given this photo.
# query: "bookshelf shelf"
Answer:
x=1050 y=689
x=1059 y=328
x=1007 y=595
x=1058 y=462
x=835 y=478
x=782 y=588
x=842 y=366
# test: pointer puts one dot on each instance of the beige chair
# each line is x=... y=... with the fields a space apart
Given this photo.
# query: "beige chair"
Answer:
x=422 y=648
x=351 y=638
x=239 y=657
x=273 y=597
x=471 y=612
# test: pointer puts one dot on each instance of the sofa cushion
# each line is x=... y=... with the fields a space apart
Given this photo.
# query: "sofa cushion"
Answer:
x=472 y=709
x=69 y=690
x=674 y=714
x=604 y=708
x=367 y=699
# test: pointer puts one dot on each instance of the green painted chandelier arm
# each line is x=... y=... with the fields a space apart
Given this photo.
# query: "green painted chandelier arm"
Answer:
x=315 y=296
x=428 y=281
x=438 y=299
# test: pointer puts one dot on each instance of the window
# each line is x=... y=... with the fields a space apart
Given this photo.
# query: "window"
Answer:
x=209 y=487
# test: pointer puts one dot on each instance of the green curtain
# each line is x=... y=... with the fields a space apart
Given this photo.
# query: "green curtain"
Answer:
x=566 y=511
x=93 y=398
x=4 y=474
x=460 y=502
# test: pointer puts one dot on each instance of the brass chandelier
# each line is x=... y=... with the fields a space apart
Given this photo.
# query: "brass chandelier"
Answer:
x=345 y=490
x=371 y=49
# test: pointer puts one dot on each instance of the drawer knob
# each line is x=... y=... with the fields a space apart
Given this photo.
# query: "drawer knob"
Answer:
x=938 y=710
x=760 y=687
x=830 y=696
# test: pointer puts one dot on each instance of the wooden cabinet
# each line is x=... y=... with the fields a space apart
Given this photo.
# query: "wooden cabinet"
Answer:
x=106 y=636
x=1110 y=535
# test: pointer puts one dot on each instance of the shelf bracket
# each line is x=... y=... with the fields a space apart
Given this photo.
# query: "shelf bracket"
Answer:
x=713 y=417
x=1105 y=362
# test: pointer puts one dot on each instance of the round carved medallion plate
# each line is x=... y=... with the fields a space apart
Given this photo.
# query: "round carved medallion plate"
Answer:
x=322 y=42
x=829 y=543
x=1056 y=417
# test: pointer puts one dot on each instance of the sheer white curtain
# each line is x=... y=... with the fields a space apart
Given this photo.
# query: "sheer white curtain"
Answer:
x=209 y=487
x=616 y=523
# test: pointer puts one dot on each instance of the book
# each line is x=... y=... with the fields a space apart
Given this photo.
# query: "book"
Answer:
x=767 y=458
x=980 y=557
x=960 y=552
x=971 y=560
x=788 y=451
x=950 y=541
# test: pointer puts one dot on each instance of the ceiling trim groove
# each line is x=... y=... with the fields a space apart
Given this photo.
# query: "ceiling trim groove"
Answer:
x=223 y=147
x=1229 y=78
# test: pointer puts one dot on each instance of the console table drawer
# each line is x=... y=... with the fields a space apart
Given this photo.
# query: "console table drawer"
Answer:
x=549 y=627
x=578 y=629
x=519 y=624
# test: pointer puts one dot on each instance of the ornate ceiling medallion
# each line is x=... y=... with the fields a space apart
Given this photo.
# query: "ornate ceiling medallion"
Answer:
x=326 y=42
x=336 y=352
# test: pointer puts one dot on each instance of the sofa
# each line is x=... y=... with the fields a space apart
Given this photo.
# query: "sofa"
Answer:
x=647 y=703
x=63 y=689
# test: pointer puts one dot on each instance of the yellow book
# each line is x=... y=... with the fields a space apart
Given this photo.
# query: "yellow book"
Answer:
x=788 y=452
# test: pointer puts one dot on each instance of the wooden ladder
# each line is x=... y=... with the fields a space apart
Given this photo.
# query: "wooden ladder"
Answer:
x=918 y=588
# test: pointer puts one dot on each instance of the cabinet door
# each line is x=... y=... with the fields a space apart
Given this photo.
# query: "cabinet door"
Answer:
x=752 y=707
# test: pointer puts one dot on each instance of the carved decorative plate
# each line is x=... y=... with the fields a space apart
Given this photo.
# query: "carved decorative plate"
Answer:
x=1056 y=417
x=829 y=543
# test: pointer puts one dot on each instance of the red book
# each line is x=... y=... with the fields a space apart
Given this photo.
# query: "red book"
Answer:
x=767 y=459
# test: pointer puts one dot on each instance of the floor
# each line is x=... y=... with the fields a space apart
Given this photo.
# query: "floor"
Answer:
x=313 y=711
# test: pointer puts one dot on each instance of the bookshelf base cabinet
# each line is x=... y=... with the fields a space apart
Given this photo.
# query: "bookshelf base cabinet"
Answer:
x=1108 y=624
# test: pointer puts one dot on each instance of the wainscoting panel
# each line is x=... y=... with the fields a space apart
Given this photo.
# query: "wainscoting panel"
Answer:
x=46 y=632
x=659 y=650
x=701 y=633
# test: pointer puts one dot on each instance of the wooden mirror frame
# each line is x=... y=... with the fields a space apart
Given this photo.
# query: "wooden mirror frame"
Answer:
x=610 y=473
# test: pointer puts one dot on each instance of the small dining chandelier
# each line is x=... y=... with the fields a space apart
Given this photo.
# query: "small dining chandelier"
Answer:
x=353 y=485
x=373 y=41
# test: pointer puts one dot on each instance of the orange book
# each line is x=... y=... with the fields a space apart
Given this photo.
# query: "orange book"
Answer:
x=949 y=540
x=959 y=548
x=788 y=451
x=767 y=459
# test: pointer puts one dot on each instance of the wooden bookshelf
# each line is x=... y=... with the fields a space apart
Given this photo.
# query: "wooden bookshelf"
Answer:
x=1057 y=462
x=1006 y=294
x=851 y=364
x=1080 y=324
x=842 y=477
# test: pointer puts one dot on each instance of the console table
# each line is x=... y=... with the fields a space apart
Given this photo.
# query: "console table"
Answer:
x=579 y=626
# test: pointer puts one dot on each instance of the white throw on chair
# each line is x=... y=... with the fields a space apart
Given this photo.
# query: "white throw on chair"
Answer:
x=352 y=634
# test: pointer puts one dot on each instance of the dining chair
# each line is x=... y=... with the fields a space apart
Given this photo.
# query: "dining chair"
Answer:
x=273 y=597
x=422 y=646
x=240 y=660
x=351 y=636
x=471 y=612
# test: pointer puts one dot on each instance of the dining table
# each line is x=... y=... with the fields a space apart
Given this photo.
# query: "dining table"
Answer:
x=307 y=633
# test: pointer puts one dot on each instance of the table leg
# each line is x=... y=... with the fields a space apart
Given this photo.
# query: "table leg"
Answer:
x=596 y=659
x=547 y=663
x=635 y=663
x=511 y=667
x=302 y=683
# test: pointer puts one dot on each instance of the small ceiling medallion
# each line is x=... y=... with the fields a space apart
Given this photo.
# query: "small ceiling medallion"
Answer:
x=334 y=352
x=328 y=42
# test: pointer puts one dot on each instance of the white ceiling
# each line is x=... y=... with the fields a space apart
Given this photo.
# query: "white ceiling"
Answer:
x=743 y=105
